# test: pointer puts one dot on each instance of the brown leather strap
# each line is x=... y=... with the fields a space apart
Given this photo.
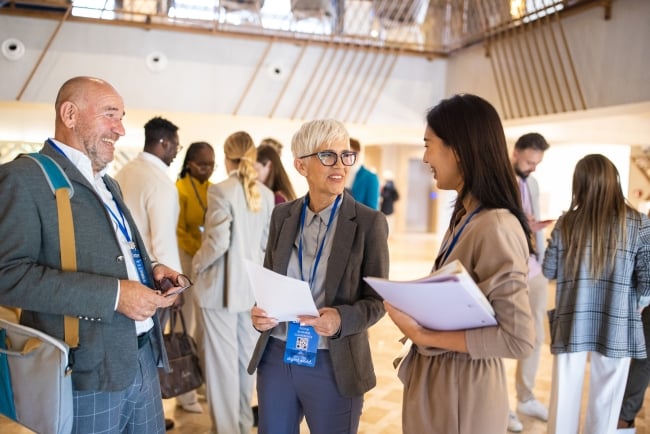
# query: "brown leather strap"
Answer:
x=68 y=256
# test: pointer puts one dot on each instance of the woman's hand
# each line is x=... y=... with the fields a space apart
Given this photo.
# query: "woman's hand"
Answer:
x=327 y=324
x=261 y=321
x=404 y=322
x=453 y=340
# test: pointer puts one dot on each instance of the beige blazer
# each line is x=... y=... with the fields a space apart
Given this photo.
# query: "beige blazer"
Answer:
x=232 y=233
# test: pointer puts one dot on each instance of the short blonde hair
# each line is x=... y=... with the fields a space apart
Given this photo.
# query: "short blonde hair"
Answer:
x=314 y=134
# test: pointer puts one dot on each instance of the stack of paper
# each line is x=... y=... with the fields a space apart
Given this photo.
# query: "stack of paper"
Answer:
x=448 y=299
x=282 y=297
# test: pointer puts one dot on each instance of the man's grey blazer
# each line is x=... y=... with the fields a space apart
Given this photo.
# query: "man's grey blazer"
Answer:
x=31 y=276
x=359 y=249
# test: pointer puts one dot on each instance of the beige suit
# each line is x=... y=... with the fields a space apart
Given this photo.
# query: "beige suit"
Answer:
x=456 y=393
x=222 y=288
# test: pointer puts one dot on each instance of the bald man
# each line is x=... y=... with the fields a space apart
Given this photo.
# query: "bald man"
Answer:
x=114 y=376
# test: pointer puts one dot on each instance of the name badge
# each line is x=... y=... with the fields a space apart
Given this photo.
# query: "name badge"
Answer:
x=139 y=265
x=302 y=345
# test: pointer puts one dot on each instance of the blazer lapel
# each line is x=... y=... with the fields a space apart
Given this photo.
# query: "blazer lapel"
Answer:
x=287 y=237
x=341 y=247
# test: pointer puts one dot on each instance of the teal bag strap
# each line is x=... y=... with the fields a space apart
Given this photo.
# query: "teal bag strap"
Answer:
x=63 y=191
x=55 y=176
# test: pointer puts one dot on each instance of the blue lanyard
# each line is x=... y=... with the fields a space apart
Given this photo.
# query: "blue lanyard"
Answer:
x=135 y=252
x=121 y=223
x=56 y=148
x=455 y=238
x=322 y=243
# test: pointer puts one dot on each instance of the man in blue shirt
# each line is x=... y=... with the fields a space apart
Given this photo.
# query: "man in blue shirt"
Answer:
x=365 y=184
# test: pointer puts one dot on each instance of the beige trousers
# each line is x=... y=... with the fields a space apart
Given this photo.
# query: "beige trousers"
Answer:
x=527 y=368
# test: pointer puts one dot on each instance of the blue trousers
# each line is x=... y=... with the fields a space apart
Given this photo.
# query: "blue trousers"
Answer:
x=136 y=410
x=287 y=393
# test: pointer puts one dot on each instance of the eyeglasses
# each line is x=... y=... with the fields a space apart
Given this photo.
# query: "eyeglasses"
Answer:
x=329 y=158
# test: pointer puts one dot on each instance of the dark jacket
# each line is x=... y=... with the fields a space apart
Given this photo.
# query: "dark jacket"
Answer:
x=359 y=249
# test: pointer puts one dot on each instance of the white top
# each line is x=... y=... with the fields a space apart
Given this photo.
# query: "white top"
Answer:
x=152 y=199
x=83 y=164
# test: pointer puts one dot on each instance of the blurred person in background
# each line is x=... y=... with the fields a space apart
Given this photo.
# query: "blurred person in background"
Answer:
x=153 y=200
x=363 y=184
x=192 y=185
x=599 y=255
x=270 y=141
x=527 y=154
x=236 y=228
x=271 y=172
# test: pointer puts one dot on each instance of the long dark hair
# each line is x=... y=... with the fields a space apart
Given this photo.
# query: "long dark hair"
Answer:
x=596 y=219
x=471 y=127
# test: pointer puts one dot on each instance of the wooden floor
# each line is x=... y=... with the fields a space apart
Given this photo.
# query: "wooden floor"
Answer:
x=411 y=257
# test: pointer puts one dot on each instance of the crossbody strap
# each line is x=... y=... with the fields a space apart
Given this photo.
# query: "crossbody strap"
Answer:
x=62 y=189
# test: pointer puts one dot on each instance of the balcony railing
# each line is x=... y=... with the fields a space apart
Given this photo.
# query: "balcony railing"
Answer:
x=430 y=27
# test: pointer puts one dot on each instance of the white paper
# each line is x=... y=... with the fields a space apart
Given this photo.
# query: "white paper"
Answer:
x=282 y=297
x=446 y=300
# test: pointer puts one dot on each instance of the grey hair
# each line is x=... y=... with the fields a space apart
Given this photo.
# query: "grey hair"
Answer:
x=312 y=135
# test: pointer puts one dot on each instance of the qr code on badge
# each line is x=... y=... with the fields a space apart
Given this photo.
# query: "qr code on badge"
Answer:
x=302 y=343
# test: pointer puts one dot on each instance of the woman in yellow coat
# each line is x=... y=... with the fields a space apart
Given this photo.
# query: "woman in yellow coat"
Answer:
x=192 y=185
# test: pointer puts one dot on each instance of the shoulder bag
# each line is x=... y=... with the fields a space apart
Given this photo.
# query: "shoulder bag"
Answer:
x=35 y=368
x=185 y=370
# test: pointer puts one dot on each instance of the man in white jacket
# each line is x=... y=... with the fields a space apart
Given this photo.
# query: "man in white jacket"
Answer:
x=152 y=198
x=526 y=155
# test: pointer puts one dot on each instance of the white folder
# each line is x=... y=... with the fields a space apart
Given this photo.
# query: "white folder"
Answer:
x=448 y=299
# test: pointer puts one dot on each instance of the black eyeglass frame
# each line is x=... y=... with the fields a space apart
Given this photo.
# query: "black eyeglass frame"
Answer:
x=324 y=154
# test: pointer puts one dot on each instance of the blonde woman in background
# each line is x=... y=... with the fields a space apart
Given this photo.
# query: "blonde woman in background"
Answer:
x=236 y=228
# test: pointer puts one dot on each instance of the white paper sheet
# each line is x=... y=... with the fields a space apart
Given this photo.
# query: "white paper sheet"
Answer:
x=282 y=297
x=446 y=300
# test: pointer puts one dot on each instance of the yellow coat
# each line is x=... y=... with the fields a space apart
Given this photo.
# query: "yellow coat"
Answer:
x=193 y=205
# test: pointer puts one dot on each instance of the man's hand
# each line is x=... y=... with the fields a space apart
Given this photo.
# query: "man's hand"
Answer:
x=161 y=271
x=140 y=302
x=538 y=225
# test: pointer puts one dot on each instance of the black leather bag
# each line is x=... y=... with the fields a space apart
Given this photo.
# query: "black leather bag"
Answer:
x=185 y=374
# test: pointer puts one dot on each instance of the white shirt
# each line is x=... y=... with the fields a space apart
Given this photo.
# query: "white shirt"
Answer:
x=83 y=164
x=152 y=199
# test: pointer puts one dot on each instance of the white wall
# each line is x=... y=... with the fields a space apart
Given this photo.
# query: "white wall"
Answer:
x=555 y=173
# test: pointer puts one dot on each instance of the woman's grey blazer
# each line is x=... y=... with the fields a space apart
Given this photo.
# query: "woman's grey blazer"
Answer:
x=359 y=249
x=31 y=276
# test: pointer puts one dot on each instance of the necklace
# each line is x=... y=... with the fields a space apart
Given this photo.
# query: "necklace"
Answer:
x=198 y=196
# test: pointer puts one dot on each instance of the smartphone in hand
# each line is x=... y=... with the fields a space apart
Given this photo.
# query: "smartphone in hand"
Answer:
x=169 y=288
